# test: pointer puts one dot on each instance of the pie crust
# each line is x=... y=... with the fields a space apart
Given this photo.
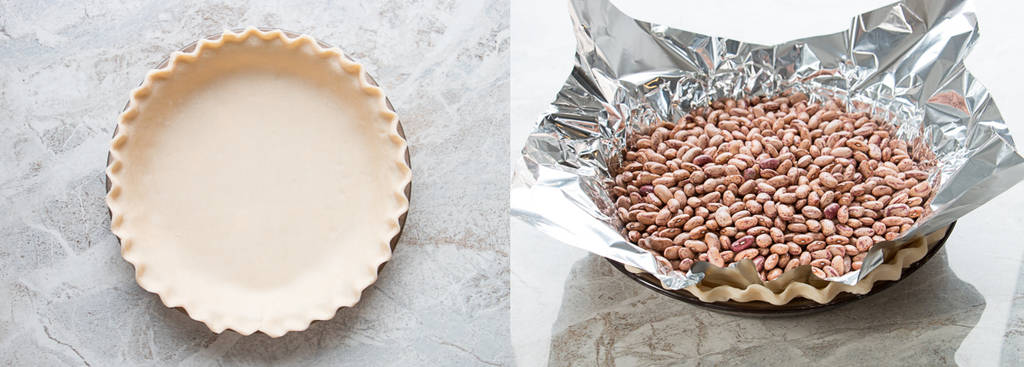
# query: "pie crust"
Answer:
x=257 y=182
x=891 y=270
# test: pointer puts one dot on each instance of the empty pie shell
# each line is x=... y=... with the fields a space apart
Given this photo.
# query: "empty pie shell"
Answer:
x=257 y=182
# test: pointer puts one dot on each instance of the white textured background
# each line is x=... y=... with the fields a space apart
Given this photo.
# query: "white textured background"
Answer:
x=67 y=297
x=965 y=306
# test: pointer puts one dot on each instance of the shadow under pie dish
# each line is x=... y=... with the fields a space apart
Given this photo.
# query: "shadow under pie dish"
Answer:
x=259 y=179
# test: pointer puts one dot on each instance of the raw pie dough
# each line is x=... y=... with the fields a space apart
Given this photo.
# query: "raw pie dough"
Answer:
x=257 y=182
x=891 y=270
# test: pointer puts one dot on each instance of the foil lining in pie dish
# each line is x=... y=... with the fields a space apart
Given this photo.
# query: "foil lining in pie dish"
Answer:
x=902 y=62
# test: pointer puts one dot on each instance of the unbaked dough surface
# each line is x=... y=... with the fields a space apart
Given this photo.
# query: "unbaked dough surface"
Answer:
x=258 y=183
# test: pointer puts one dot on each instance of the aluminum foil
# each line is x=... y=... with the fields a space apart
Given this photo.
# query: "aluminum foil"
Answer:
x=902 y=62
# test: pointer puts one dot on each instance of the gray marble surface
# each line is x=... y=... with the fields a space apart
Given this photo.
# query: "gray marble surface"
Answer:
x=571 y=308
x=67 y=297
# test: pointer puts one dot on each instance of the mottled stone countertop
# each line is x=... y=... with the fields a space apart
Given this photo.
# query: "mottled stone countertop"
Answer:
x=67 y=297
x=965 y=306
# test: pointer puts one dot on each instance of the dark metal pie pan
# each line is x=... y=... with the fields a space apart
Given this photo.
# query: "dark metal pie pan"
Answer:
x=798 y=306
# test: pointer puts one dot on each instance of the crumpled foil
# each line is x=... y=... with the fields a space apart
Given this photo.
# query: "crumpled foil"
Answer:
x=902 y=62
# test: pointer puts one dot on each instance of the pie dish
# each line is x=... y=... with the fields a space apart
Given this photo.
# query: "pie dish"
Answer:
x=258 y=181
x=798 y=291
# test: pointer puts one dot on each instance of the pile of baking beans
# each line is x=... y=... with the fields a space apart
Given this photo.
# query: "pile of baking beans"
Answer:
x=781 y=181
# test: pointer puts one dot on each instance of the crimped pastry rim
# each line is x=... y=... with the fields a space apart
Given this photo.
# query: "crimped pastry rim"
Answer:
x=891 y=270
x=367 y=85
